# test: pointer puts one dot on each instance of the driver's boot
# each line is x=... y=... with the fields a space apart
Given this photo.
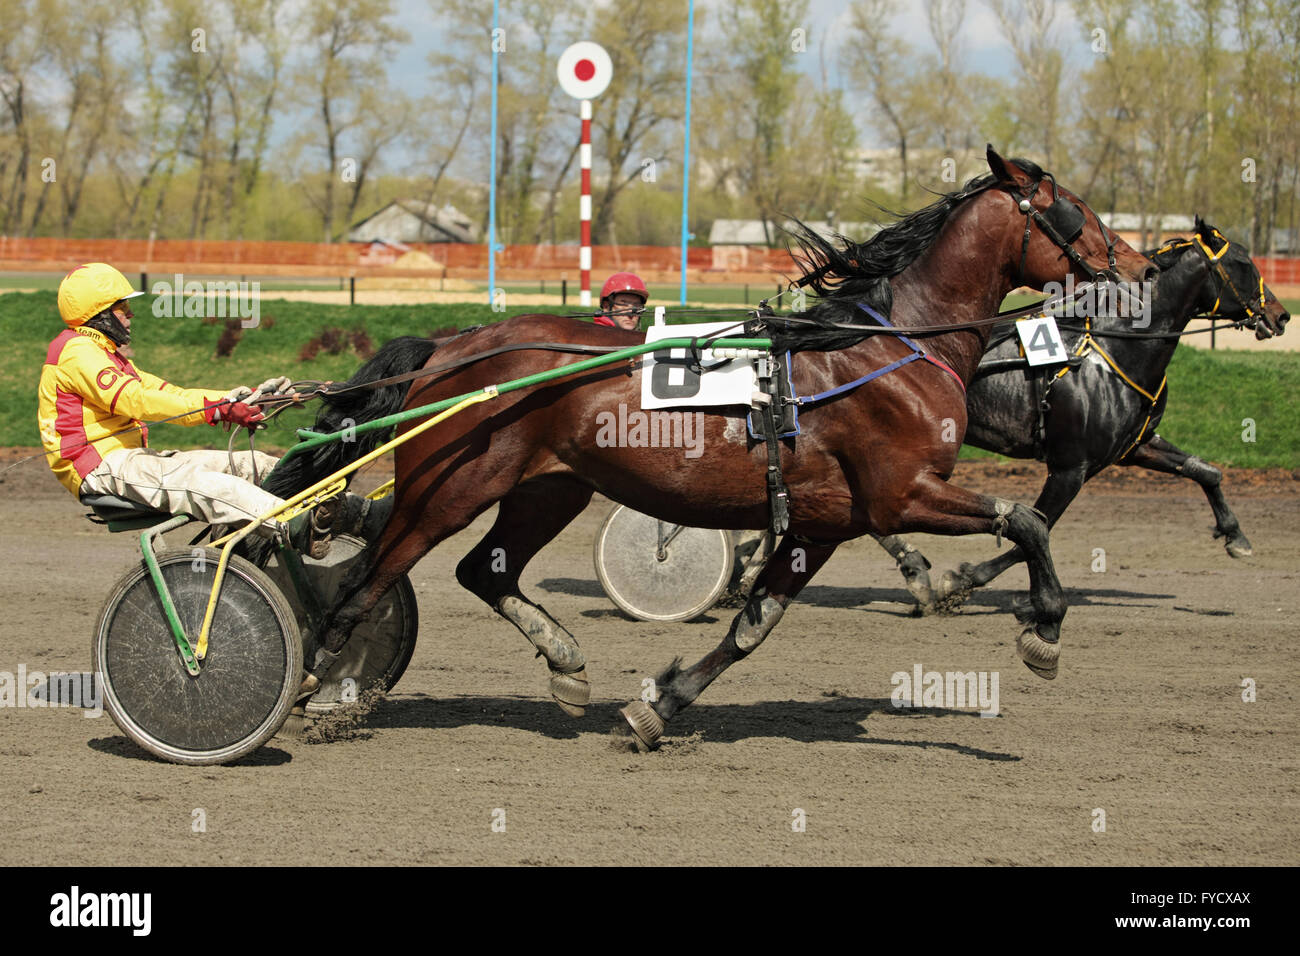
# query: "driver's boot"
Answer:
x=362 y=517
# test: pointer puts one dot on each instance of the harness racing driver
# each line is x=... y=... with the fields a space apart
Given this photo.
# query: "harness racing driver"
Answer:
x=622 y=301
x=94 y=403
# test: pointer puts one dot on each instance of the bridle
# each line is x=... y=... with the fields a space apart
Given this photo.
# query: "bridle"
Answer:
x=1254 y=313
x=1062 y=223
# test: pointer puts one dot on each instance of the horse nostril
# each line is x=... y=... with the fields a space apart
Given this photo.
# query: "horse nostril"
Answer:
x=1151 y=274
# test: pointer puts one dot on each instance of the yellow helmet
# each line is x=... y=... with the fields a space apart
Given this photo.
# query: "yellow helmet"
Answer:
x=88 y=290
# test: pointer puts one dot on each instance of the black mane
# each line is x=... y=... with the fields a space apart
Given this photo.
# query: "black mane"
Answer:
x=1169 y=253
x=860 y=271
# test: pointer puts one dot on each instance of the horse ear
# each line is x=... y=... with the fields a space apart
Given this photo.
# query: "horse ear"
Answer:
x=1199 y=224
x=1007 y=173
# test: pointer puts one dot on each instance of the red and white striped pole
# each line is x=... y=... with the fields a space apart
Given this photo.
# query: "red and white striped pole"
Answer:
x=584 y=71
x=584 y=205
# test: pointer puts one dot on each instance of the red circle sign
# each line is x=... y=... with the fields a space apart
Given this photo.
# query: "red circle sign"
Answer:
x=584 y=70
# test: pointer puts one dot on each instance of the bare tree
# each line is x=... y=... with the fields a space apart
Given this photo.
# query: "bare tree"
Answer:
x=951 y=106
x=349 y=41
x=876 y=63
x=646 y=41
x=24 y=49
x=749 y=113
x=1028 y=26
x=249 y=74
x=446 y=116
x=535 y=138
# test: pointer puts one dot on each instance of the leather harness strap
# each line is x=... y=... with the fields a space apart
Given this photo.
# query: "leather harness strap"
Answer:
x=778 y=496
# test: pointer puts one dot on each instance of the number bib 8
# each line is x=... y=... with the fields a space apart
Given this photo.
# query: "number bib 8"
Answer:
x=670 y=381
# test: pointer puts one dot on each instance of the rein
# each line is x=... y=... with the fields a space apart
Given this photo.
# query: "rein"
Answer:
x=467 y=360
x=1069 y=220
x=278 y=404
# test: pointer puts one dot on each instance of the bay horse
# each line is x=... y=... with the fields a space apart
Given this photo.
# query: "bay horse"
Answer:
x=1102 y=412
x=873 y=460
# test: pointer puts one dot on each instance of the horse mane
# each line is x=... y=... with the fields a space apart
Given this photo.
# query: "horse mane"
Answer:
x=1169 y=253
x=846 y=272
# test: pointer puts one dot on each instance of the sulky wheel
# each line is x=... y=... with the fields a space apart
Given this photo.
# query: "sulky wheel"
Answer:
x=246 y=684
x=658 y=571
x=380 y=647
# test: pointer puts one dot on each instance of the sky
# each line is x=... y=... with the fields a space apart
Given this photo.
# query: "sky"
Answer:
x=983 y=48
x=981 y=35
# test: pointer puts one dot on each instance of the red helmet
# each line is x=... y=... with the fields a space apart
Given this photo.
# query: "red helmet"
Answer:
x=624 y=282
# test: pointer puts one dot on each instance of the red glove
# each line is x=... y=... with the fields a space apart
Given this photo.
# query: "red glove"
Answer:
x=236 y=413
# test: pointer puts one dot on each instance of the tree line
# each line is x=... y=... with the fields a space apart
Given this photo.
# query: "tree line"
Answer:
x=265 y=119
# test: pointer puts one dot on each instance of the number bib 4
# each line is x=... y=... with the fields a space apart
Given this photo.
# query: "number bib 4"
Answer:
x=1042 y=341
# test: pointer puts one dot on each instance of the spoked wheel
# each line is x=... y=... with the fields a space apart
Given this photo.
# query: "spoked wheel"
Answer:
x=246 y=684
x=656 y=571
x=380 y=647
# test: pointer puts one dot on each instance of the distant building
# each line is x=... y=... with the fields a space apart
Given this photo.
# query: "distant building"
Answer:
x=741 y=232
x=382 y=252
x=733 y=239
x=413 y=220
x=1286 y=242
x=1132 y=222
x=1130 y=227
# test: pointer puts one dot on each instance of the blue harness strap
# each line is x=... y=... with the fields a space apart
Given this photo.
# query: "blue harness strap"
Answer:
x=917 y=353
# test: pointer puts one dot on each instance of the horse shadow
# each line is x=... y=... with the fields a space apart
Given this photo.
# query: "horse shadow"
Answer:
x=878 y=599
x=575 y=587
x=581 y=587
x=981 y=600
x=832 y=719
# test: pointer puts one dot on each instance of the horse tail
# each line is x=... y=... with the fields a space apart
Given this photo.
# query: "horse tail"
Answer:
x=353 y=407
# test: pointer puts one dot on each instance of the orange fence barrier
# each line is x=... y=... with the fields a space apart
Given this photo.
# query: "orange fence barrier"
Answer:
x=451 y=260
x=456 y=260
x=1279 y=271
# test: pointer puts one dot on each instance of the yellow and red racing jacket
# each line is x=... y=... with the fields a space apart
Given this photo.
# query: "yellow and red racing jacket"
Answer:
x=89 y=392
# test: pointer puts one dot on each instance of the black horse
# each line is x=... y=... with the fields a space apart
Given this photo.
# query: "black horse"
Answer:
x=1104 y=407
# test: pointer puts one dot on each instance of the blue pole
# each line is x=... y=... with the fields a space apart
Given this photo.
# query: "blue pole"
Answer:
x=686 y=150
x=492 y=162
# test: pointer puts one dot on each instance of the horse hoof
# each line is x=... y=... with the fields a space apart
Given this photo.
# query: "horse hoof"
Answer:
x=296 y=724
x=647 y=726
x=571 y=691
x=1040 y=656
x=923 y=595
x=953 y=591
x=1239 y=547
x=307 y=689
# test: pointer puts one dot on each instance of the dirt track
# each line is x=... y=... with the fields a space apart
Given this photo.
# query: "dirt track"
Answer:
x=1146 y=720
